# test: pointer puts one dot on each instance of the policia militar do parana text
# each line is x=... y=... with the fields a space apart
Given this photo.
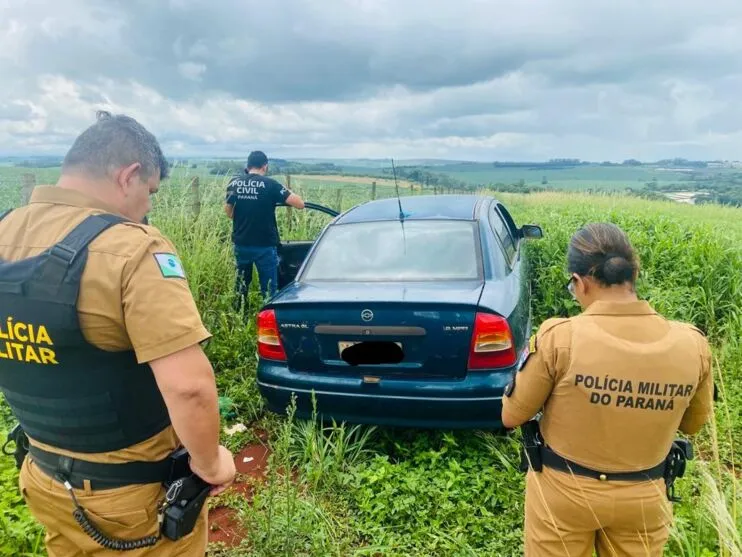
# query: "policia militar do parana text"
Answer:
x=600 y=399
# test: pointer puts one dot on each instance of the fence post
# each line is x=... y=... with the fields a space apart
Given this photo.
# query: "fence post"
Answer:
x=195 y=196
x=289 y=212
x=29 y=183
x=412 y=187
x=373 y=189
x=339 y=202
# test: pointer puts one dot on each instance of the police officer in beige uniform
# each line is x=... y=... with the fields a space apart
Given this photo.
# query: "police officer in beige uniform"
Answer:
x=102 y=362
x=614 y=385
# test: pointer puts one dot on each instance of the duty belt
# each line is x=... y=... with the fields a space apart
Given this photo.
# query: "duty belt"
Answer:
x=177 y=512
x=100 y=475
x=552 y=460
x=534 y=454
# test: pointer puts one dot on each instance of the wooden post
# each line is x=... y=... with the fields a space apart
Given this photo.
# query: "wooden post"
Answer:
x=339 y=202
x=29 y=183
x=412 y=188
x=195 y=196
x=373 y=189
x=289 y=212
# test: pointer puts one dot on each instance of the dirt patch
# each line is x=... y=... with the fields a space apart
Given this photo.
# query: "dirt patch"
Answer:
x=225 y=527
x=252 y=460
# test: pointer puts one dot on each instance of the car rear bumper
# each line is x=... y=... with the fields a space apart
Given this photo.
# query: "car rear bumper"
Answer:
x=472 y=402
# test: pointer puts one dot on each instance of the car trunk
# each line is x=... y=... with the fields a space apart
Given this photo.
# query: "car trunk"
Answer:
x=431 y=323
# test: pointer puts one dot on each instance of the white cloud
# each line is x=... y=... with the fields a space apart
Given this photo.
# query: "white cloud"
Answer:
x=191 y=70
x=477 y=79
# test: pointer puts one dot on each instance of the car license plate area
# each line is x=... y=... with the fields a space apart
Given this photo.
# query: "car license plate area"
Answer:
x=343 y=344
x=370 y=352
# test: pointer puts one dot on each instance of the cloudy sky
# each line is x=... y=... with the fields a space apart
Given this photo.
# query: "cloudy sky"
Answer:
x=463 y=79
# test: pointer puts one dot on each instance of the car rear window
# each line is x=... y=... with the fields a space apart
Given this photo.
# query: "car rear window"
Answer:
x=389 y=251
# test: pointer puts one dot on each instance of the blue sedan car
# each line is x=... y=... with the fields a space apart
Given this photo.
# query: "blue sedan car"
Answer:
x=415 y=318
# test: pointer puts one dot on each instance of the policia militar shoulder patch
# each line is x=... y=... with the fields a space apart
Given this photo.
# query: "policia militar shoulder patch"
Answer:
x=170 y=265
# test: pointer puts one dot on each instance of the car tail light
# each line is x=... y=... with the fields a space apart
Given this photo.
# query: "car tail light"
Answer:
x=269 y=341
x=492 y=343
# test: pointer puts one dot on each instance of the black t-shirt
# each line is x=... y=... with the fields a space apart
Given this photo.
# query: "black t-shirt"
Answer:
x=254 y=198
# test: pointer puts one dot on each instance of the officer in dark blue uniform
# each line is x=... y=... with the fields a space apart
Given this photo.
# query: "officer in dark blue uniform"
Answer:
x=251 y=202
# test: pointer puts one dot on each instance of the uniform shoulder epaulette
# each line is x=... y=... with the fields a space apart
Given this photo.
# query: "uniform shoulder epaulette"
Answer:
x=691 y=327
x=135 y=234
x=552 y=323
x=148 y=229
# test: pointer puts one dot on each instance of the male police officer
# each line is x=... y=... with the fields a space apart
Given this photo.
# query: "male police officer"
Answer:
x=250 y=202
x=100 y=357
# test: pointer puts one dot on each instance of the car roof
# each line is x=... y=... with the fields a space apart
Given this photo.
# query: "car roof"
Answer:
x=415 y=207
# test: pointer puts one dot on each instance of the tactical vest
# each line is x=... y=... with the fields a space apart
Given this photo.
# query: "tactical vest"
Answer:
x=64 y=391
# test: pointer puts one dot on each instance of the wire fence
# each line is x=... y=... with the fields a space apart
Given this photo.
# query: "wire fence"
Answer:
x=16 y=185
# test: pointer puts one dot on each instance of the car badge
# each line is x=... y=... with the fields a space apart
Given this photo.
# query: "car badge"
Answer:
x=367 y=315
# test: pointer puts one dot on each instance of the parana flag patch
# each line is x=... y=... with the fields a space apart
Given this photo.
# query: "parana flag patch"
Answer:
x=170 y=265
x=530 y=350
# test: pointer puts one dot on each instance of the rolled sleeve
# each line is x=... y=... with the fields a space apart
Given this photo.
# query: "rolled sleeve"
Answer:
x=534 y=382
x=160 y=313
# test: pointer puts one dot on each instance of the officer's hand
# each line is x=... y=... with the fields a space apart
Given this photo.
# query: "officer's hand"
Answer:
x=221 y=474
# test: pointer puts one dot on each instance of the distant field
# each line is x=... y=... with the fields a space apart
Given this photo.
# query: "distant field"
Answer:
x=331 y=179
x=578 y=178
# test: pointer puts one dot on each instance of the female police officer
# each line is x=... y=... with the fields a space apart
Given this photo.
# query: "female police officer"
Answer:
x=614 y=383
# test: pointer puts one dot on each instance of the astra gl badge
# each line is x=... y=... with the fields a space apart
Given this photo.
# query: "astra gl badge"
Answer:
x=367 y=315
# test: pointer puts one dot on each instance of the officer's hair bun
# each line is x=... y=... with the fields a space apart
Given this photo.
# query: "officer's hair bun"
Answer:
x=603 y=251
x=616 y=269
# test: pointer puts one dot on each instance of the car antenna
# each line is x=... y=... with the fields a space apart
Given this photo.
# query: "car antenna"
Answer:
x=399 y=202
x=396 y=186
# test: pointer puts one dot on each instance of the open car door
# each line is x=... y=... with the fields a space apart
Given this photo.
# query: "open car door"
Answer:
x=293 y=252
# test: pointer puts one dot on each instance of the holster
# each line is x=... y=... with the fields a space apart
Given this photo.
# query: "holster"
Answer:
x=681 y=451
x=530 y=449
x=185 y=497
x=183 y=510
x=20 y=440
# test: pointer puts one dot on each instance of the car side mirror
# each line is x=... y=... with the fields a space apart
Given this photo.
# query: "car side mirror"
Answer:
x=531 y=231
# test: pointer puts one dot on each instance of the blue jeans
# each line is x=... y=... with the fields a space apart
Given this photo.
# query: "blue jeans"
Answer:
x=266 y=261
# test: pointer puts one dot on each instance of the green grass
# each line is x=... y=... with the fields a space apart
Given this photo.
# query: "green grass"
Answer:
x=20 y=534
x=578 y=178
x=386 y=491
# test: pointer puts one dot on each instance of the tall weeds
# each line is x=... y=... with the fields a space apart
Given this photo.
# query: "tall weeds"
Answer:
x=411 y=493
x=339 y=489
